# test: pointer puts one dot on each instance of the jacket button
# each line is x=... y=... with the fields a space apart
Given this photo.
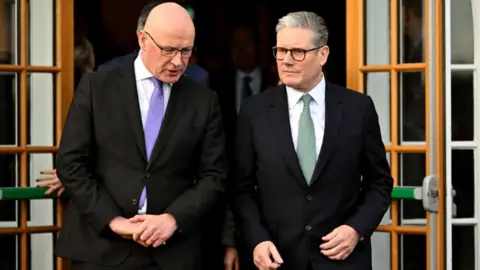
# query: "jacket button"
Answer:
x=147 y=175
x=309 y=197
x=308 y=227
x=134 y=202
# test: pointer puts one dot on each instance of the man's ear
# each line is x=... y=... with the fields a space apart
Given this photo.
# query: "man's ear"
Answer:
x=141 y=37
x=324 y=52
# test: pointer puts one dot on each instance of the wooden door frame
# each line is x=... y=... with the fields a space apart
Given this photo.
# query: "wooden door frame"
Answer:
x=355 y=80
x=64 y=72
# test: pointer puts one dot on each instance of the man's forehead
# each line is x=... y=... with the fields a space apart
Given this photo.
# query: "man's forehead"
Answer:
x=294 y=37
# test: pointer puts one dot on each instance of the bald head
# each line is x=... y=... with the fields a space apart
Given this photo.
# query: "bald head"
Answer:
x=167 y=41
x=169 y=17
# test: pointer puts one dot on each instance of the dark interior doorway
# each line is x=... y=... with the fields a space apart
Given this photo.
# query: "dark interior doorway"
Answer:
x=110 y=26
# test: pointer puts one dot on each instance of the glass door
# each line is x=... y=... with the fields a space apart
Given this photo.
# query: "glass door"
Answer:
x=394 y=54
x=36 y=86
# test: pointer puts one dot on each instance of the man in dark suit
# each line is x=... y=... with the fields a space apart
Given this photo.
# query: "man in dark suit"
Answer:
x=312 y=181
x=245 y=77
x=135 y=139
x=193 y=70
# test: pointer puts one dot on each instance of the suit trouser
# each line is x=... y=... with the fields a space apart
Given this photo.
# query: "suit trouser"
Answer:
x=140 y=258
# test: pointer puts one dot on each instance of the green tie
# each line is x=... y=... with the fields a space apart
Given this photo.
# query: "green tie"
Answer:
x=306 y=150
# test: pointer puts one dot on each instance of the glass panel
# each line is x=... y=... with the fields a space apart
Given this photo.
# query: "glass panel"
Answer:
x=8 y=108
x=377 y=30
x=381 y=251
x=463 y=248
x=411 y=106
x=463 y=176
x=8 y=178
x=41 y=212
x=411 y=32
x=462 y=106
x=41 y=251
x=8 y=252
x=41 y=32
x=8 y=37
x=412 y=172
x=377 y=86
x=412 y=252
x=41 y=109
x=462 y=32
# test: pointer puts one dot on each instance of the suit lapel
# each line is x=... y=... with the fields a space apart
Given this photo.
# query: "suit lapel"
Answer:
x=173 y=114
x=333 y=117
x=281 y=122
x=127 y=89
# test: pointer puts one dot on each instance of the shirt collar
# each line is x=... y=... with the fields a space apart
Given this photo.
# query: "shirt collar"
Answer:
x=141 y=72
x=317 y=93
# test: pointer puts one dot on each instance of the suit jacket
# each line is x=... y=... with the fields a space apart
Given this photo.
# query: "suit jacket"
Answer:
x=103 y=166
x=224 y=83
x=273 y=201
x=193 y=71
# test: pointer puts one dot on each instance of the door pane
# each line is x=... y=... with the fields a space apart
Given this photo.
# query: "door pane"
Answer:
x=8 y=178
x=8 y=26
x=412 y=171
x=381 y=255
x=461 y=32
x=463 y=248
x=8 y=108
x=377 y=30
x=411 y=31
x=41 y=251
x=377 y=86
x=411 y=100
x=463 y=176
x=41 y=109
x=8 y=252
x=413 y=252
x=41 y=26
x=462 y=106
x=41 y=212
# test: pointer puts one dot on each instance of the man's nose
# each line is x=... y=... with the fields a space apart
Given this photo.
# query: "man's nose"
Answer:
x=177 y=59
x=288 y=59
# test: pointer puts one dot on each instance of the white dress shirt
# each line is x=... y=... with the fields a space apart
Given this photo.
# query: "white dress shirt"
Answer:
x=317 y=112
x=145 y=90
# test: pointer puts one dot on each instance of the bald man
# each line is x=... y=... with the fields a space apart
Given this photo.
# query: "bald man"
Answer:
x=142 y=157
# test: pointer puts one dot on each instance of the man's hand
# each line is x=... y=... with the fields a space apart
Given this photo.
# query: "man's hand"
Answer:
x=51 y=181
x=266 y=256
x=125 y=228
x=230 y=260
x=154 y=229
x=340 y=243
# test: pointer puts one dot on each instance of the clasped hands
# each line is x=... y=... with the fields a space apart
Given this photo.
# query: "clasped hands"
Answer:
x=147 y=230
x=338 y=245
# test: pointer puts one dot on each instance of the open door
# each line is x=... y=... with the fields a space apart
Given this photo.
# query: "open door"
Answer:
x=394 y=54
x=36 y=87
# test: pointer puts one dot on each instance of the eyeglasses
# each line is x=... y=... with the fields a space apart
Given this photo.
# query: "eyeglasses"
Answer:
x=171 y=51
x=297 y=54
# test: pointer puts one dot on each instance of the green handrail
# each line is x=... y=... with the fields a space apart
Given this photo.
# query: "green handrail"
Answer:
x=25 y=193
x=29 y=193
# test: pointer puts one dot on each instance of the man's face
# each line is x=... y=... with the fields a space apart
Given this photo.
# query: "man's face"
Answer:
x=165 y=53
x=243 y=49
x=292 y=70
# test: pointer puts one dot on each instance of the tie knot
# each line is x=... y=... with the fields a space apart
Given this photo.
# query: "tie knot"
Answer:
x=156 y=82
x=247 y=79
x=306 y=99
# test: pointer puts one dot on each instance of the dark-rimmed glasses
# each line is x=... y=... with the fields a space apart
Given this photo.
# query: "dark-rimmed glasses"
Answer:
x=297 y=54
x=171 y=51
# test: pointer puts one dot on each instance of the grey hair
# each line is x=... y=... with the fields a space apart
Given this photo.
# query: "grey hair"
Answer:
x=308 y=20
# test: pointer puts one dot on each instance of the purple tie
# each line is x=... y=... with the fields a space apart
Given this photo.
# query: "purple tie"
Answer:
x=153 y=123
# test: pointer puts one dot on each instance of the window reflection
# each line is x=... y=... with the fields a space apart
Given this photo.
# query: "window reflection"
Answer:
x=462 y=32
